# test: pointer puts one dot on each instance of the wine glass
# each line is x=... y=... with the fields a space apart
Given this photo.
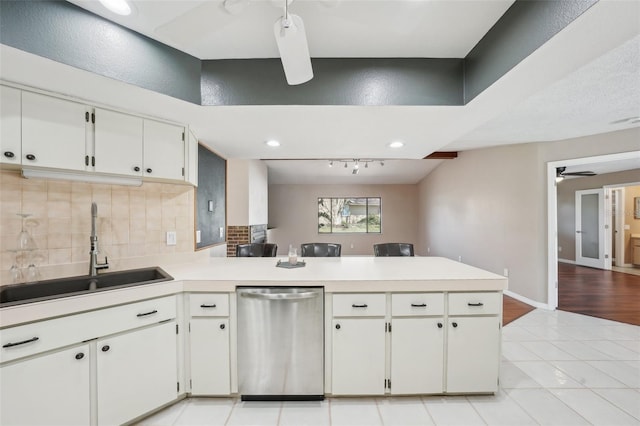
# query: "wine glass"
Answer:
x=25 y=241
x=16 y=273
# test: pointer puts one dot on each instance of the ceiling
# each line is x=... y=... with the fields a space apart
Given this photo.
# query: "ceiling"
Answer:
x=335 y=28
x=585 y=80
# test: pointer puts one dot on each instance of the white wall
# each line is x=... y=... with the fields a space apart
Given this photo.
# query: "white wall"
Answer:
x=247 y=189
x=293 y=215
x=489 y=206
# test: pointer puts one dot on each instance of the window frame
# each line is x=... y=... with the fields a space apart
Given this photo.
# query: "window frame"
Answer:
x=366 y=232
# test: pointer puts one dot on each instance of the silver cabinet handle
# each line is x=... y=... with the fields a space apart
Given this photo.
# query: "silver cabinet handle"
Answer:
x=281 y=296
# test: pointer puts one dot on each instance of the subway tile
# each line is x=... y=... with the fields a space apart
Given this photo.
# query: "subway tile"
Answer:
x=58 y=186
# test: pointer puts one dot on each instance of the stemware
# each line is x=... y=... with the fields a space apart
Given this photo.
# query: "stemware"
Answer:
x=25 y=241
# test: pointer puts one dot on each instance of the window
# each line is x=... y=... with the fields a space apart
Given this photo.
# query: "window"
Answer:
x=353 y=215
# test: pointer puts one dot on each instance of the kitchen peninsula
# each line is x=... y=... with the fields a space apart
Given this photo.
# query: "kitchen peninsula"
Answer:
x=392 y=326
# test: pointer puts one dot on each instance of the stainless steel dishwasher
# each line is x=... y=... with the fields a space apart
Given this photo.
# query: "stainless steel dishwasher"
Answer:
x=280 y=343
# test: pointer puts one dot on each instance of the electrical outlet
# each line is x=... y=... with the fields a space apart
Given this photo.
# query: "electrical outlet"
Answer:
x=351 y=245
x=428 y=250
x=221 y=232
x=171 y=238
x=559 y=249
x=459 y=258
x=506 y=272
x=198 y=236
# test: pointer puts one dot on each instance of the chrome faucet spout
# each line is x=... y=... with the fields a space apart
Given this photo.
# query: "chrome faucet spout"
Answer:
x=94 y=265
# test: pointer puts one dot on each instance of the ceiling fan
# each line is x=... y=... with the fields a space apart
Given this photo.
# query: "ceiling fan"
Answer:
x=561 y=173
x=293 y=47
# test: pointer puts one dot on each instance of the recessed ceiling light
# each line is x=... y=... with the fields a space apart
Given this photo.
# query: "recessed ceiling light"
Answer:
x=273 y=143
x=396 y=144
x=121 y=7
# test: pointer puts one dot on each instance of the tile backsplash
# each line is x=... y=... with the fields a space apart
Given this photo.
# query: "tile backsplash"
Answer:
x=132 y=221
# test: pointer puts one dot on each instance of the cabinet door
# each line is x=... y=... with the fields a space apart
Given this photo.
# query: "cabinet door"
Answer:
x=118 y=143
x=10 y=127
x=210 y=373
x=358 y=358
x=51 y=389
x=417 y=355
x=473 y=357
x=163 y=150
x=53 y=132
x=136 y=373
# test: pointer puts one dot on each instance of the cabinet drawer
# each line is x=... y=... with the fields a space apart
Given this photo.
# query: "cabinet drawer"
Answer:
x=359 y=305
x=481 y=303
x=209 y=304
x=416 y=304
x=29 y=339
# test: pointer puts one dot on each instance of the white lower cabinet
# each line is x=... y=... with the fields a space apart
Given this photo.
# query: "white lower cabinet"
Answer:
x=51 y=389
x=417 y=355
x=210 y=369
x=136 y=372
x=473 y=354
x=358 y=358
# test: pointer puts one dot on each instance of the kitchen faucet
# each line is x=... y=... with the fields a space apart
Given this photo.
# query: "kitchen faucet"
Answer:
x=94 y=266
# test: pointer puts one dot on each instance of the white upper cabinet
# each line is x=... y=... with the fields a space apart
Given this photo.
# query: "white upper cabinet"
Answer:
x=45 y=131
x=117 y=143
x=10 y=125
x=164 y=150
x=53 y=132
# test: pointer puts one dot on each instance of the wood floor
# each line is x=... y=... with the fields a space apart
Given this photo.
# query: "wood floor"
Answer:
x=513 y=309
x=599 y=293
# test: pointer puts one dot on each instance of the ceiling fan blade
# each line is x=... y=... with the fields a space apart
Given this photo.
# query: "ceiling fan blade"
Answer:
x=585 y=173
x=294 y=50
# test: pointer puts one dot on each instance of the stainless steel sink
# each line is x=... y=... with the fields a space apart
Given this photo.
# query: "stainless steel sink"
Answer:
x=17 y=294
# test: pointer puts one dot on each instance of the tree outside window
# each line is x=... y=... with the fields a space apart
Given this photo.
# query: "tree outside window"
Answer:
x=349 y=215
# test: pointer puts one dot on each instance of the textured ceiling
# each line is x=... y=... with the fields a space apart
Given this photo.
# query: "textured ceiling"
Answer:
x=582 y=80
x=335 y=28
x=600 y=97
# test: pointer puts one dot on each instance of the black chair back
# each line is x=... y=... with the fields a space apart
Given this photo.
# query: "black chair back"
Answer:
x=256 y=250
x=320 y=250
x=393 y=249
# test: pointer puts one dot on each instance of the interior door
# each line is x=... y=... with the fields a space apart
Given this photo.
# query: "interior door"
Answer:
x=590 y=243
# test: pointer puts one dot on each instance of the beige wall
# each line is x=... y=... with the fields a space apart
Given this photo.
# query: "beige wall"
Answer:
x=489 y=206
x=247 y=192
x=132 y=222
x=567 y=207
x=293 y=213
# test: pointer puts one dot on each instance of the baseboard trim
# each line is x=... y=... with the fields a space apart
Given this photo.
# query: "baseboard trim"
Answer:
x=572 y=262
x=528 y=301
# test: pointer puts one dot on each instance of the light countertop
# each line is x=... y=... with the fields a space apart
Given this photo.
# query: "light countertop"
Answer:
x=344 y=274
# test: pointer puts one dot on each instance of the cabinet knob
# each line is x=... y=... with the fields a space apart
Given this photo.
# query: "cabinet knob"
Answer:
x=337 y=326
x=439 y=325
x=149 y=170
x=9 y=154
x=222 y=326
x=79 y=355
x=136 y=169
x=105 y=348
x=30 y=157
x=454 y=324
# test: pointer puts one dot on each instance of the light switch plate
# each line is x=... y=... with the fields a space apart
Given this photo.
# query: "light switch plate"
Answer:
x=198 y=236
x=221 y=232
x=171 y=238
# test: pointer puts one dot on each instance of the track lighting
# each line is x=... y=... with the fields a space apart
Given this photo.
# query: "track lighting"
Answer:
x=357 y=162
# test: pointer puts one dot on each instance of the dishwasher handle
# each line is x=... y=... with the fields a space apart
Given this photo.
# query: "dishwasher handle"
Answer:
x=280 y=296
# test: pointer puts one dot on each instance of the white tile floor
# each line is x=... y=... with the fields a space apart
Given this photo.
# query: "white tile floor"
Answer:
x=558 y=368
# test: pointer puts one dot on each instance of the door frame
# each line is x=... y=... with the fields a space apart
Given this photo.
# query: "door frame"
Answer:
x=604 y=259
x=552 y=215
